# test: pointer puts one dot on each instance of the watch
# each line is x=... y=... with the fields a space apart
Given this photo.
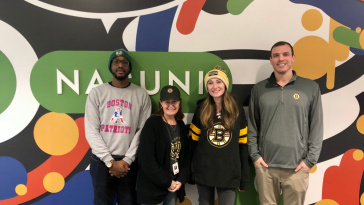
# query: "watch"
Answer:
x=108 y=164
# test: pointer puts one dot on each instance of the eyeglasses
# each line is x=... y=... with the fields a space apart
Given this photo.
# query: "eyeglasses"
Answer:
x=117 y=62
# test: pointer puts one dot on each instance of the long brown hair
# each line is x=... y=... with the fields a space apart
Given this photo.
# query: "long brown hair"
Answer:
x=179 y=115
x=229 y=112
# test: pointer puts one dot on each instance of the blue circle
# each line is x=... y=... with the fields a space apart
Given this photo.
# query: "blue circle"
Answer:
x=12 y=173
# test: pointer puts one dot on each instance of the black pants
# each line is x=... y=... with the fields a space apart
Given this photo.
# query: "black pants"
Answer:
x=206 y=195
x=107 y=187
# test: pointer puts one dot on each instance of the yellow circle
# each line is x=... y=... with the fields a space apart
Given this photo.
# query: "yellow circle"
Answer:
x=327 y=202
x=360 y=123
x=362 y=199
x=358 y=155
x=358 y=29
x=361 y=40
x=313 y=169
x=314 y=57
x=21 y=189
x=312 y=20
x=187 y=201
x=53 y=182
x=56 y=133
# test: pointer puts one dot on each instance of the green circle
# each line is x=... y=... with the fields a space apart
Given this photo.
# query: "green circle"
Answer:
x=7 y=82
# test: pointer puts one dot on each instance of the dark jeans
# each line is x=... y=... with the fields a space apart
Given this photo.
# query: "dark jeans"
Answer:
x=106 y=186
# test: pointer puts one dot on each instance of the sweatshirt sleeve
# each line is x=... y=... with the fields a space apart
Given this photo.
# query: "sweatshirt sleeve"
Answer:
x=254 y=126
x=195 y=131
x=92 y=127
x=146 y=108
x=243 y=151
x=315 y=136
x=147 y=152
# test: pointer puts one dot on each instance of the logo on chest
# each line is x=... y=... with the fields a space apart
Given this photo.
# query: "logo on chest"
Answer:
x=219 y=137
x=117 y=116
x=296 y=96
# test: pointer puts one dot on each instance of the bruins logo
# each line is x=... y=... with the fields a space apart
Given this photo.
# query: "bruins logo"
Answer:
x=219 y=137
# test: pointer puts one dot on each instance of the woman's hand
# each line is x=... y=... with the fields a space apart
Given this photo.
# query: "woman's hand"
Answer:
x=173 y=186
x=177 y=186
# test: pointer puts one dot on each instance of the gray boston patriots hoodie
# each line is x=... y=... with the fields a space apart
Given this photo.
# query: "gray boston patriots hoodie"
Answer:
x=285 y=124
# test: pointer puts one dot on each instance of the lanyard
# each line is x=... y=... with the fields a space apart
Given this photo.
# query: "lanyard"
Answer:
x=169 y=129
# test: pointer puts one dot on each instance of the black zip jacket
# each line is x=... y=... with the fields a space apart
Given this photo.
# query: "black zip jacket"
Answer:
x=154 y=176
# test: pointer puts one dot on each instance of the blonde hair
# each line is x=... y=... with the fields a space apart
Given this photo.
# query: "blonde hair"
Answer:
x=229 y=111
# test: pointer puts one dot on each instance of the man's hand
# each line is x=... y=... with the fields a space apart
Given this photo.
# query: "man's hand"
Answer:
x=303 y=166
x=175 y=186
x=119 y=168
x=260 y=161
x=241 y=190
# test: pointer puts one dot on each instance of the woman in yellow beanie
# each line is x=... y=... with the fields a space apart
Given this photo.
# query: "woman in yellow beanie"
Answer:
x=218 y=143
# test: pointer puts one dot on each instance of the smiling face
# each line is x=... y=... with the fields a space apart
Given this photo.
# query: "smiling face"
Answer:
x=215 y=87
x=170 y=107
x=282 y=59
x=119 y=71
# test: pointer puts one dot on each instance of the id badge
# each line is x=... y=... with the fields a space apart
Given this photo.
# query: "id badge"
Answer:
x=175 y=168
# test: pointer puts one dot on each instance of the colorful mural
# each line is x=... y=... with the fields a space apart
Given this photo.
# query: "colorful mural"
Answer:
x=53 y=52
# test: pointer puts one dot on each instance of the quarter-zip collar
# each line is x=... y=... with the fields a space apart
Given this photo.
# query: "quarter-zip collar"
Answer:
x=272 y=79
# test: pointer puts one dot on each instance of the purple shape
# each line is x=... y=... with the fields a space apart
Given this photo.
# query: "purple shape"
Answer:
x=78 y=190
x=357 y=51
x=154 y=31
x=12 y=173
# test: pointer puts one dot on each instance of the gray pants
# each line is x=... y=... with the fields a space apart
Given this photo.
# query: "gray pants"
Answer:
x=206 y=195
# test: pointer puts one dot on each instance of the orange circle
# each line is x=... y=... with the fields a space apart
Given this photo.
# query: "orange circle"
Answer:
x=313 y=169
x=362 y=199
x=358 y=155
x=187 y=201
x=360 y=122
x=358 y=30
x=327 y=202
x=361 y=40
x=53 y=182
x=314 y=57
x=312 y=20
x=56 y=133
x=21 y=189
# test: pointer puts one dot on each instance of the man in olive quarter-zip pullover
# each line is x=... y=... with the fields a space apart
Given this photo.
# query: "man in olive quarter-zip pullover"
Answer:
x=285 y=130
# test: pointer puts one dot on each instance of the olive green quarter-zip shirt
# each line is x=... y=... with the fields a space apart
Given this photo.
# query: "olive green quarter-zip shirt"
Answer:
x=285 y=124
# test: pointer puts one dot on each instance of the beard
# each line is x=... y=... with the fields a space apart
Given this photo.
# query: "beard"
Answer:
x=120 y=78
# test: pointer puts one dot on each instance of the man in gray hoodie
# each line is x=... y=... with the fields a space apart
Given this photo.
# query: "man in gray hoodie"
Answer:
x=115 y=114
x=285 y=130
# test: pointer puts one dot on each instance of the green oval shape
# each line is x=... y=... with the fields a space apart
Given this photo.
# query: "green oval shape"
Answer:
x=236 y=7
x=86 y=62
x=347 y=37
x=7 y=82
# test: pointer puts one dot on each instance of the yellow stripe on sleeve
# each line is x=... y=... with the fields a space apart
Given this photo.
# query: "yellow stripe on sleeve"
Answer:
x=243 y=131
x=194 y=137
x=243 y=140
x=195 y=129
